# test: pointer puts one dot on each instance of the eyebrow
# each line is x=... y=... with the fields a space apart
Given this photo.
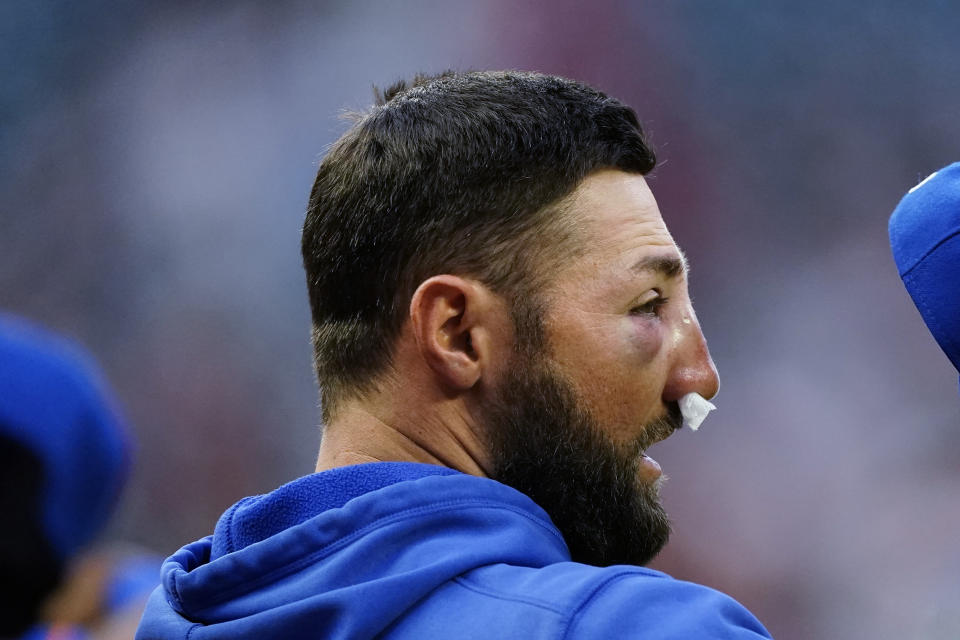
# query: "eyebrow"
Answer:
x=669 y=266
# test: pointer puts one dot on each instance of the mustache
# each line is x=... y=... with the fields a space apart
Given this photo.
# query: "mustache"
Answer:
x=660 y=428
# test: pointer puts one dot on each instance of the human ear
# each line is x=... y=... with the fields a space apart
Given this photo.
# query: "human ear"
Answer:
x=451 y=317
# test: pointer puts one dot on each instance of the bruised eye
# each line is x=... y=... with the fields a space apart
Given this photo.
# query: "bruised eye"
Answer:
x=651 y=306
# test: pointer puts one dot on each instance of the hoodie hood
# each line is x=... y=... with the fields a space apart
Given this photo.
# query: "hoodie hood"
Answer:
x=354 y=548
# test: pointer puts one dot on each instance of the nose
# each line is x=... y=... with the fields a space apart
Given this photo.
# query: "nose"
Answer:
x=692 y=367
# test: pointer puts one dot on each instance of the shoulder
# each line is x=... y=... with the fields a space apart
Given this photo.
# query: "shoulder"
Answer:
x=614 y=602
x=628 y=601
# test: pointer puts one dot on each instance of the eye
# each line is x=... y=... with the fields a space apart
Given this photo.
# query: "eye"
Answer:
x=651 y=306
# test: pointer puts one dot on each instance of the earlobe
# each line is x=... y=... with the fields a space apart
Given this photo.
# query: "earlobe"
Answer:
x=443 y=316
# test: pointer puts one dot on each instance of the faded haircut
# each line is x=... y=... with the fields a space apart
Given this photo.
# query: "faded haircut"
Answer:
x=460 y=173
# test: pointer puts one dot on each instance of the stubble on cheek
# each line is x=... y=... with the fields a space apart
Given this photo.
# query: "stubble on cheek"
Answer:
x=616 y=379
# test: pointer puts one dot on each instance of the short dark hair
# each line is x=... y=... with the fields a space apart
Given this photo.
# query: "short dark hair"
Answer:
x=457 y=173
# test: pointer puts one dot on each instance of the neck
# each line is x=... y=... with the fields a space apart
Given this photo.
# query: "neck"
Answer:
x=358 y=434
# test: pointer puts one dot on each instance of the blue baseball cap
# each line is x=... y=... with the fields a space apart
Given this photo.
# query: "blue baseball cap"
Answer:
x=925 y=238
x=55 y=403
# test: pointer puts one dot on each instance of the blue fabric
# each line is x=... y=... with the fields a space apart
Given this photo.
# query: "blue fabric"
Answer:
x=925 y=239
x=56 y=632
x=53 y=401
x=435 y=554
x=260 y=517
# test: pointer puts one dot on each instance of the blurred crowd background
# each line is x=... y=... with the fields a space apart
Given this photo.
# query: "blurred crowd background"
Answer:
x=155 y=162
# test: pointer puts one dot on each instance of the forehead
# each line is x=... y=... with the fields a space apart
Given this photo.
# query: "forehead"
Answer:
x=620 y=222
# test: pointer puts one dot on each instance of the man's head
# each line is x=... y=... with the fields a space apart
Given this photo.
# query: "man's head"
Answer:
x=497 y=227
x=64 y=457
x=462 y=173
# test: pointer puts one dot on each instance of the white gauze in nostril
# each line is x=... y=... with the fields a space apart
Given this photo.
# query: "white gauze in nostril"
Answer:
x=694 y=408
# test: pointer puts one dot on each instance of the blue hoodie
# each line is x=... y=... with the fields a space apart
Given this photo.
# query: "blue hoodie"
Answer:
x=403 y=550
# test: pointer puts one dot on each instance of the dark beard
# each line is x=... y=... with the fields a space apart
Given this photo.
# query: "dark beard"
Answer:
x=545 y=444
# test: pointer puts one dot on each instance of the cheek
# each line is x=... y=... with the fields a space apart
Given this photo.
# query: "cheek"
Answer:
x=624 y=352
x=613 y=363
x=624 y=384
x=616 y=369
